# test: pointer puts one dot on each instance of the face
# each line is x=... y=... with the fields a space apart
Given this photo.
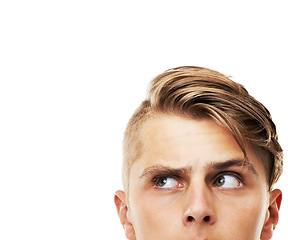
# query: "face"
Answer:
x=191 y=182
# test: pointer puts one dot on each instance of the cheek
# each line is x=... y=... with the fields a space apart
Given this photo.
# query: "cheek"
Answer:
x=153 y=215
x=255 y=217
x=247 y=215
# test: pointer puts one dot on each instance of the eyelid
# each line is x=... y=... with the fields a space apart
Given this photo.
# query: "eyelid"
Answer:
x=237 y=175
x=183 y=179
x=156 y=178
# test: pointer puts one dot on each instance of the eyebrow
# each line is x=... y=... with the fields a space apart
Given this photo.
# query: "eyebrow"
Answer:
x=234 y=162
x=164 y=170
x=161 y=169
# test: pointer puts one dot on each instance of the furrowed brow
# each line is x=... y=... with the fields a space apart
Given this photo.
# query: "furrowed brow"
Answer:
x=234 y=162
x=160 y=169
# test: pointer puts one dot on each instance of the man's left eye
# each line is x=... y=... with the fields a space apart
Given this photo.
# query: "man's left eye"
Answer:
x=227 y=181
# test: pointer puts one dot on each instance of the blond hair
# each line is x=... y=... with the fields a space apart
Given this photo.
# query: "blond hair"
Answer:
x=201 y=93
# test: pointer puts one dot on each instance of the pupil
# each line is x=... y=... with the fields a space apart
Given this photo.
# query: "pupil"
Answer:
x=221 y=181
x=162 y=182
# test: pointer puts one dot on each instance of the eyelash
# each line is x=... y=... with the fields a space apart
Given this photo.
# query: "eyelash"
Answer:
x=237 y=175
x=157 y=178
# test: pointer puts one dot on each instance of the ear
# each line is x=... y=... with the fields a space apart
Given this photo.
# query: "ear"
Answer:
x=272 y=214
x=122 y=209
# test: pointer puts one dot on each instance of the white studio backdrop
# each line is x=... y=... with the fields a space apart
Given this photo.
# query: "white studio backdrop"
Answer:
x=73 y=72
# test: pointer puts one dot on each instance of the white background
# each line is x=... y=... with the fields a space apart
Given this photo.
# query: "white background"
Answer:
x=73 y=72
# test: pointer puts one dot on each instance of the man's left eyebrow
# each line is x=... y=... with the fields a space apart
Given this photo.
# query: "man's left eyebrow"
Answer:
x=234 y=162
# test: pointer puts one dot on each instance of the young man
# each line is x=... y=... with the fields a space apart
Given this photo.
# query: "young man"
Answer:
x=200 y=160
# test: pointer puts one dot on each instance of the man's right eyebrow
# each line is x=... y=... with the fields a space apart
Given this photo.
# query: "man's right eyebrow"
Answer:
x=164 y=170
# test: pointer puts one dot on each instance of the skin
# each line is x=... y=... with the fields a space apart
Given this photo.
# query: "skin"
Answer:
x=190 y=183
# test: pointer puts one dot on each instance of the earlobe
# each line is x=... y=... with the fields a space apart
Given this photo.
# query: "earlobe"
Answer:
x=272 y=215
x=122 y=210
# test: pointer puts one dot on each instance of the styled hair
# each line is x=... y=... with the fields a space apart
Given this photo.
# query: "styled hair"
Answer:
x=201 y=93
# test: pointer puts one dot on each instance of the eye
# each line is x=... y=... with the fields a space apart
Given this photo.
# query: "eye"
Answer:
x=227 y=181
x=166 y=182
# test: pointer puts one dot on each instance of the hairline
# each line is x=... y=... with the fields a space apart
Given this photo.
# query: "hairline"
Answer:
x=153 y=114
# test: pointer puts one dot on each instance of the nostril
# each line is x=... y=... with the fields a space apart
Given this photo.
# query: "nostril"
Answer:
x=206 y=219
x=190 y=219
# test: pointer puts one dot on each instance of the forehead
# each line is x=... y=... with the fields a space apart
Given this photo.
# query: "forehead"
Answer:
x=180 y=142
x=171 y=136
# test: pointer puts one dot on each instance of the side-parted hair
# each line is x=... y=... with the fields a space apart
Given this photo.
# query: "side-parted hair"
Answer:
x=201 y=93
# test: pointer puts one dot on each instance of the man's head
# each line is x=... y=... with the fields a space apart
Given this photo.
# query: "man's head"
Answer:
x=200 y=158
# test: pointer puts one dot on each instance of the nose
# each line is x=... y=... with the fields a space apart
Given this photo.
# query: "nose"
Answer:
x=199 y=207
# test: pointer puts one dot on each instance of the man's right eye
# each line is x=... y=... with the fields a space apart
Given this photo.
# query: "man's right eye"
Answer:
x=164 y=182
